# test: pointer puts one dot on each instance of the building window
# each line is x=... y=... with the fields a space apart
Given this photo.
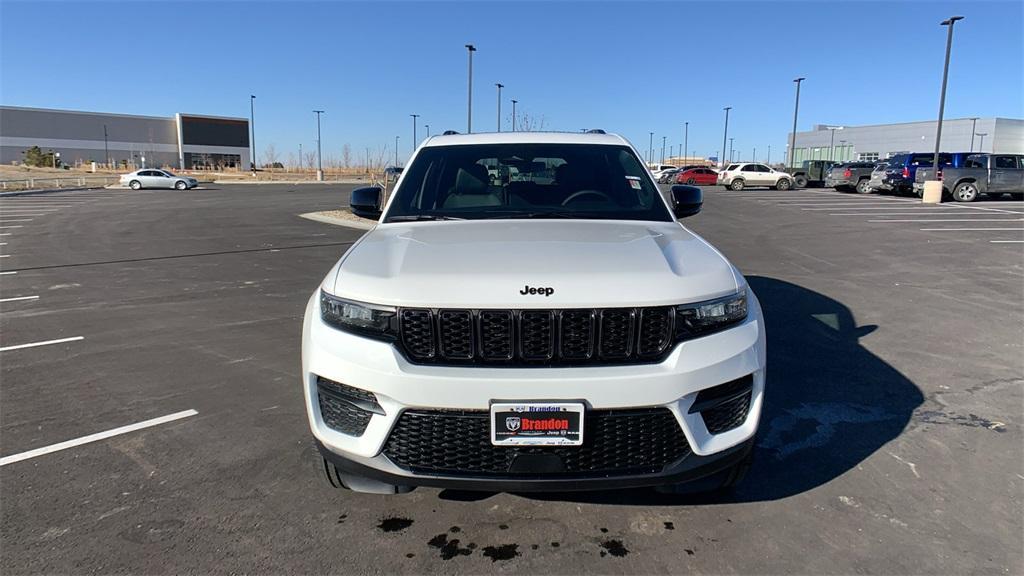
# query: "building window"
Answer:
x=868 y=156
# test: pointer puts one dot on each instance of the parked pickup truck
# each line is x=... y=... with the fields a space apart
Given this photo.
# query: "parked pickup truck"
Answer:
x=810 y=173
x=850 y=176
x=991 y=174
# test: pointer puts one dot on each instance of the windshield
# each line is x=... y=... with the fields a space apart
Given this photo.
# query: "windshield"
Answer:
x=483 y=181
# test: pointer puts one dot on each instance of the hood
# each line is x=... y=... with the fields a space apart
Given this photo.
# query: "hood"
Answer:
x=490 y=263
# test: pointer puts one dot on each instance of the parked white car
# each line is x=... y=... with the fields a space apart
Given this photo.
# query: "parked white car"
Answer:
x=658 y=169
x=557 y=330
x=740 y=176
x=153 y=178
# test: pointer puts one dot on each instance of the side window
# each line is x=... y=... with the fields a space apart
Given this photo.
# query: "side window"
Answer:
x=1006 y=162
x=762 y=168
x=747 y=168
x=975 y=162
x=921 y=160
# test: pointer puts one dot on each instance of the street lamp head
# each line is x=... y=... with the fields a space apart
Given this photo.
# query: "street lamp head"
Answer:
x=499 y=84
x=799 y=80
x=471 y=48
x=951 y=20
x=251 y=96
x=727 y=108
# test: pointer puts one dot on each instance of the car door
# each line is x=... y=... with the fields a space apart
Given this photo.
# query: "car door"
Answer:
x=147 y=179
x=1004 y=174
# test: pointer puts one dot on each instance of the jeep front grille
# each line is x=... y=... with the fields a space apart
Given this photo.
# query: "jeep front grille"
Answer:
x=536 y=337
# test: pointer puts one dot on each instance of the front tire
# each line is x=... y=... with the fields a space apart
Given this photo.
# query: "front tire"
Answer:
x=690 y=181
x=800 y=181
x=736 y=185
x=135 y=185
x=863 y=187
x=180 y=185
x=966 y=192
x=782 y=184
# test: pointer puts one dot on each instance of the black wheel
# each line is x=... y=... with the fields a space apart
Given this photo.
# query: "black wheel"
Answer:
x=783 y=184
x=135 y=185
x=736 y=185
x=965 y=192
x=800 y=181
x=180 y=185
x=691 y=181
x=863 y=186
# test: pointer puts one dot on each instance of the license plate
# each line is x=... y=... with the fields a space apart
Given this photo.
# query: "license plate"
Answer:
x=537 y=424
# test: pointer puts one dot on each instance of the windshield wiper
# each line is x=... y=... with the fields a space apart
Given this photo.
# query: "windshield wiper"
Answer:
x=529 y=215
x=417 y=217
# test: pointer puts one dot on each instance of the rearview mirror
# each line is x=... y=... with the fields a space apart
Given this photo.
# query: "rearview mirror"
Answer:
x=365 y=202
x=686 y=200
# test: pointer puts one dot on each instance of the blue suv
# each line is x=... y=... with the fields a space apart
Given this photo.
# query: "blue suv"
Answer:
x=902 y=168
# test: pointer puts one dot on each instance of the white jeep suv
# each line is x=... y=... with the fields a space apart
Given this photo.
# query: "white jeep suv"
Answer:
x=559 y=330
x=740 y=176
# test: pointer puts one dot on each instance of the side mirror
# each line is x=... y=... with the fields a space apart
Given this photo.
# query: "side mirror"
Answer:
x=686 y=200
x=365 y=202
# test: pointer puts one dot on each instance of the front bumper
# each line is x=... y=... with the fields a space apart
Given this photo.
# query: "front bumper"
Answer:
x=400 y=386
x=836 y=183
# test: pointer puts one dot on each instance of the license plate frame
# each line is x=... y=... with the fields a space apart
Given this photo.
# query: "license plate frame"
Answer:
x=537 y=423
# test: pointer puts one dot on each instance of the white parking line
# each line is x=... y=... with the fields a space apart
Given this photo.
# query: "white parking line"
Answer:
x=870 y=208
x=5 y=255
x=4 y=273
x=43 y=343
x=1007 y=241
x=900 y=213
x=952 y=220
x=19 y=298
x=15 y=226
x=95 y=437
x=15 y=219
x=971 y=229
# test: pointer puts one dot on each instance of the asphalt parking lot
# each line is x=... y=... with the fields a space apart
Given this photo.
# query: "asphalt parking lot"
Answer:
x=890 y=443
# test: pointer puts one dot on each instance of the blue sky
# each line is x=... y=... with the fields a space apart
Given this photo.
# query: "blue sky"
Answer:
x=630 y=67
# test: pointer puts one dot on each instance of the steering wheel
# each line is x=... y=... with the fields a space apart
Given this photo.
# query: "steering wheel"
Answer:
x=576 y=195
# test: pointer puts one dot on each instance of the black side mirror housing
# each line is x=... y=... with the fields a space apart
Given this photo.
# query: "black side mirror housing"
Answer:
x=686 y=200
x=365 y=202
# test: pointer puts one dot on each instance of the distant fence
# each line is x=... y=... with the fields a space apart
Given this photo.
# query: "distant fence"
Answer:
x=61 y=182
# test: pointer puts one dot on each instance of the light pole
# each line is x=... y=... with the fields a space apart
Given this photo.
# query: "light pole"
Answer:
x=981 y=145
x=107 y=151
x=753 y=157
x=842 y=144
x=974 y=124
x=500 y=86
x=942 y=96
x=427 y=126
x=396 y=151
x=832 y=140
x=252 y=126
x=414 y=117
x=319 y=163
x=769 y=160
x=469 y=107
x=725 y=134
x=796 y=110
x=514 y=102
x=730 y=149
x=686 y=139
x=300 y=156
x=663 y=139
x=650 y=150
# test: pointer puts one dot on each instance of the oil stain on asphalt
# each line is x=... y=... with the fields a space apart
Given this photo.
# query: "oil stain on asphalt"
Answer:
x=394 y=524
x=503 y=552
x=614 y=548
x=450 y=548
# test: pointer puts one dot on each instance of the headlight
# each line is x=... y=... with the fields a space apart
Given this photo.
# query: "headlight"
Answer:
x=702 y=318
x=365 y=319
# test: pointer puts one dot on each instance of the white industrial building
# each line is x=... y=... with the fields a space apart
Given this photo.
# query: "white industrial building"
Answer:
x=877 y=142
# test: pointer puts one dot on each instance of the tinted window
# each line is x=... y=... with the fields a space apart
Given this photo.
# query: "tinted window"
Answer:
x=975 y=162
x=922 y=160
x=1006 y=162
x=895 y=161
x=527 y=181
x=762 y=168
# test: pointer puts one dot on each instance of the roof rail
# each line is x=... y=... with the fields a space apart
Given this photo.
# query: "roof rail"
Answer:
x=449 y=133
x=596 y=131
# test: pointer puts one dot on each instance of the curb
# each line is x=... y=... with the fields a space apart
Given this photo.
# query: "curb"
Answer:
x=49 y=191
x=337 y=221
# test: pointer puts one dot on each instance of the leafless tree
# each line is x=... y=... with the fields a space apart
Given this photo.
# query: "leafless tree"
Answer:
x=311 y=160
x=346 y=156
x=291 y=160
x=526 y=122
x=269 y=156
